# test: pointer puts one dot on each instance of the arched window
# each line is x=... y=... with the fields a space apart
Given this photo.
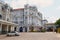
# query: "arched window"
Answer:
x=0 y=16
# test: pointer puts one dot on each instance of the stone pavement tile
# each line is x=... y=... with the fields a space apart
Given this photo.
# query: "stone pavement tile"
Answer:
x=34 y=36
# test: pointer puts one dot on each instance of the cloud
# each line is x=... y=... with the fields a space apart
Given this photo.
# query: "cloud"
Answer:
x=42 y=3
x=20 y=3
x=16 y=3
x=52 y=19
x=58 y=8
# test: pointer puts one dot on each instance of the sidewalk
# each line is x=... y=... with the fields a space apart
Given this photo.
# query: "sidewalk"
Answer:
x=58 y=35
x=2 y=36
x=33 y=36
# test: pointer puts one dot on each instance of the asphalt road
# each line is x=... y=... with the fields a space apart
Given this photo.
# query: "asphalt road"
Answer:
x=33 y=36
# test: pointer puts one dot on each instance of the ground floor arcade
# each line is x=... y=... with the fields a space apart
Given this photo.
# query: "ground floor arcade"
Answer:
x=6 y=27
x=29 y=28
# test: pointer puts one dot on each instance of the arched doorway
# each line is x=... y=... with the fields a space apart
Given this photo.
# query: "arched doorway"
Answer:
x=15 y=28
x=21 y=29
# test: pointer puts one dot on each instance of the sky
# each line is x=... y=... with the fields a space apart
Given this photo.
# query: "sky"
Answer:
x=50 y=9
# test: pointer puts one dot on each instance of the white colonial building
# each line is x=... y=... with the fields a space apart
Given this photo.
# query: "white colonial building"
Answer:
x=27 y=17
x=32 y=17
x=44 y=22
x=18 y=17
x=6 y=24
x=50 y=26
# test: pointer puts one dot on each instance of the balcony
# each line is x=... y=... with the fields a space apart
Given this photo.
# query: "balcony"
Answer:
x=5 y=7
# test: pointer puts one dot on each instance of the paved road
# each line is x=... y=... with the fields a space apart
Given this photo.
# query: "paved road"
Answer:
x=33 y=36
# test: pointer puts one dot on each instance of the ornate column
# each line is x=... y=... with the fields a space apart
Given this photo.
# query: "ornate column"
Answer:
x=1 y=28
x=7 y=28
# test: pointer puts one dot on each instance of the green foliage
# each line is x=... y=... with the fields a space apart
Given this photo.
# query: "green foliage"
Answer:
x=43 y=30
x=31 y=29
x=57 y=22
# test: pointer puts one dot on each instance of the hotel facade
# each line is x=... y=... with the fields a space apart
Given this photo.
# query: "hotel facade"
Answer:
x=27 y=17
x=6 y=24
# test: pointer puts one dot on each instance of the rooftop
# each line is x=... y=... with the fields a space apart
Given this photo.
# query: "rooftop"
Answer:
x=18 y=9
x=50 y=24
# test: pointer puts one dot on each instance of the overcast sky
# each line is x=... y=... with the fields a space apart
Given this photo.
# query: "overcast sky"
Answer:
x=49 y=8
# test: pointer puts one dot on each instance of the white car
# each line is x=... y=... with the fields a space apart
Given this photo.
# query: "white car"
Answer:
x=13 y=34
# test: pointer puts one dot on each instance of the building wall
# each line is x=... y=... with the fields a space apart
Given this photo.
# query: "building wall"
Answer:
x=44 y=22
x=33 y=18
x=5 y=18
x=32 y=14
x=5 y=12
x=18 y=17
x=27 y=16
x=50 y=26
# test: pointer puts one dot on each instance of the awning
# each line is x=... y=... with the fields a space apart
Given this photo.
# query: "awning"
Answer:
x=8 y=23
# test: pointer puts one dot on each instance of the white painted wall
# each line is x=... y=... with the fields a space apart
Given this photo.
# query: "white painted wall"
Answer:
x=33 y=10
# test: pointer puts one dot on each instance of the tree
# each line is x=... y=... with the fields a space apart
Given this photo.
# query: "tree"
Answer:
x=57 y=22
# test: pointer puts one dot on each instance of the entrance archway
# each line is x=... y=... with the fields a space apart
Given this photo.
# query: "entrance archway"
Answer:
x=21 y=29
x=15 y=28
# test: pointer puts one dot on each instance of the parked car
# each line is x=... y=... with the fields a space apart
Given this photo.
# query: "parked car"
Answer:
x=13 y=34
